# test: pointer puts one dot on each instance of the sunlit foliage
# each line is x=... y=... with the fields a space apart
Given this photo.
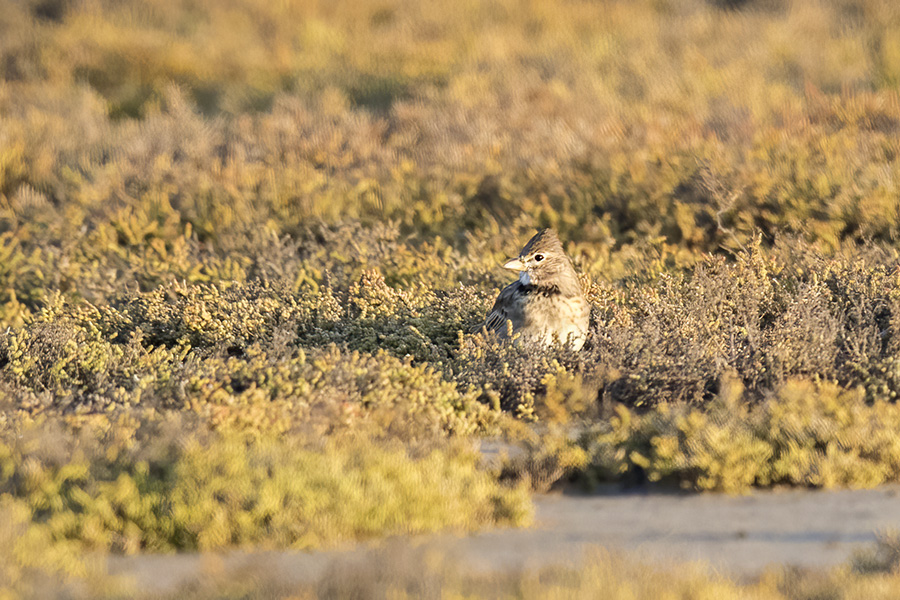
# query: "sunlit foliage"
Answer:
x=278 y=221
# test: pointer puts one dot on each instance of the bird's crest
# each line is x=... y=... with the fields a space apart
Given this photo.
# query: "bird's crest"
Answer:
x=543 y=241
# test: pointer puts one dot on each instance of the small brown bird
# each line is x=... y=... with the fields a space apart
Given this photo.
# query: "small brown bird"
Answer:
x=547 y=303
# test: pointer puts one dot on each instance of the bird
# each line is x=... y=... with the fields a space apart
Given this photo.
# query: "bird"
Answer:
x=546 y=304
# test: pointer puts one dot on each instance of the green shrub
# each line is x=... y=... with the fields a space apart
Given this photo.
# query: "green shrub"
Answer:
x=815 y=435
x=166 y=488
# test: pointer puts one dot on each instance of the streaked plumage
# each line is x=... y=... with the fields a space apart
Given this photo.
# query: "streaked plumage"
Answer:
x=546 y=304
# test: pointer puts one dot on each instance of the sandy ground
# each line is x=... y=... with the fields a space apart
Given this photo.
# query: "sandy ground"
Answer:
x=738 y=535
x=741 y=534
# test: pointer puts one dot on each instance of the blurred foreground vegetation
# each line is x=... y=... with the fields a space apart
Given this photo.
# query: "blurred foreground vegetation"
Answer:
x=241 y=244
x=408 y=571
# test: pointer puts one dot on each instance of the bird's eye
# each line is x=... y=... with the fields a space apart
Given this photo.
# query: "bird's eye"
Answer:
x=538 y=257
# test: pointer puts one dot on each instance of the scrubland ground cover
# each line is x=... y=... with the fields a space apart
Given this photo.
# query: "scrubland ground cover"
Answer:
x=402 y=571
x=242 y=244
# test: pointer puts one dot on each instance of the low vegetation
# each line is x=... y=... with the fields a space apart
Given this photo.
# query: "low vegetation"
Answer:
x=262 y=265
x=399 y=571
x=165 y=487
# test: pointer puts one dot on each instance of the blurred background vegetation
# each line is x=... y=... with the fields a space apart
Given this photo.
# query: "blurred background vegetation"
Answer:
x=243 y=237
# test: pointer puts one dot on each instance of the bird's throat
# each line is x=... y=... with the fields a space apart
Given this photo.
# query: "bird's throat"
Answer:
x=524 y=278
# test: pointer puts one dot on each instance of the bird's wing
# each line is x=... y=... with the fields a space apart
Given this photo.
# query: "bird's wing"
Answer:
x=507 y=307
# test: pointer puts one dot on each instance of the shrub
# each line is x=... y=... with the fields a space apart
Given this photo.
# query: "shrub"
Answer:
x=164 y=487
x=807 y=434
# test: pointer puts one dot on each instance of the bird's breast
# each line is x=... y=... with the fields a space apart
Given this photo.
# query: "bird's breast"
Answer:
x=558 y=318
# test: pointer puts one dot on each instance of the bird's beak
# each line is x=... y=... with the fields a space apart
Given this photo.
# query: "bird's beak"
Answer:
x=514 y=264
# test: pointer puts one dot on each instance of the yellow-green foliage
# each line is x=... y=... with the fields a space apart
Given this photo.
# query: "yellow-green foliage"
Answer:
x=671 y=335
x=313 y=190
x=543 y=460
x=807 y=434
x=234 y=355
x=30 y=555
x=268 y=357
x=292 y=239
x=165 y=489
x=138 y=147
x=227 y=496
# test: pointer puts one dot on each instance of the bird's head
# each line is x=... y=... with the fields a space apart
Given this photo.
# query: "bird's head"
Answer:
x=542 y=261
